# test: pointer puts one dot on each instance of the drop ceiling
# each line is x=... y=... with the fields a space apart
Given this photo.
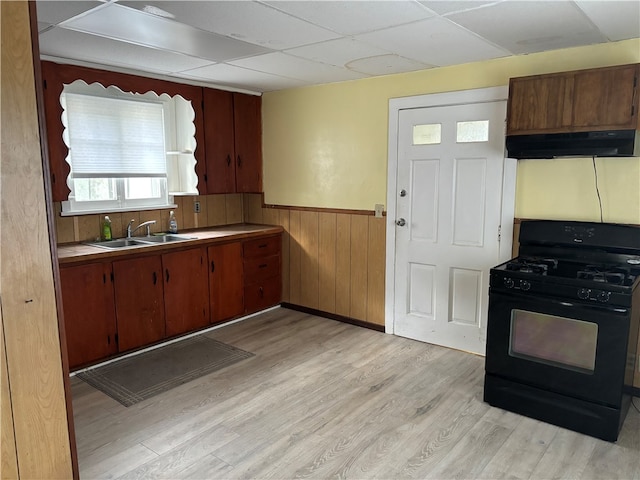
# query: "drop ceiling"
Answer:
x=261 y=46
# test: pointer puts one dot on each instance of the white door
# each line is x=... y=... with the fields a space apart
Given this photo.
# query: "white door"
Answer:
x=448 y=213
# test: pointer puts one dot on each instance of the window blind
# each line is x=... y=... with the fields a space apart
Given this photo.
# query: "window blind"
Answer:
x=115 y=138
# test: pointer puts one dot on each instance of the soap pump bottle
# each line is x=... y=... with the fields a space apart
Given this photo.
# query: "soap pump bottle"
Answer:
x=106 y=228
x=173 y=224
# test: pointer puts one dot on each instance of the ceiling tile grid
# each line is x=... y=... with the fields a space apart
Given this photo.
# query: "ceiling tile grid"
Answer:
x=268 y=45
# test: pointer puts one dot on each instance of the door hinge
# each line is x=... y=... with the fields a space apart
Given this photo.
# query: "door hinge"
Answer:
x=499 y=232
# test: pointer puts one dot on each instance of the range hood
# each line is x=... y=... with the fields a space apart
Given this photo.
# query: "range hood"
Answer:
x=610 y=143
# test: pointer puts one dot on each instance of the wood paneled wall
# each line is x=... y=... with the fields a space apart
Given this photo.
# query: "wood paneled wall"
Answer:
x=34 y=378
x=333 y=262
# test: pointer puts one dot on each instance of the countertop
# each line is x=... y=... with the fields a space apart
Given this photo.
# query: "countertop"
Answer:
x=80 y=252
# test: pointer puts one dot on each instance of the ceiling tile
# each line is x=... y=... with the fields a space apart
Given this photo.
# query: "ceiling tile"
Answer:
x=56 y=11
x=295 y=67
x=248 y=21
x=617 y=20
x=64 y=43
x=434 y=41
x=337 y=52
x=232 y=76
x=528 y=27
x=134 y=26
x=385 y=65
x=352 y=17
x=443 y=7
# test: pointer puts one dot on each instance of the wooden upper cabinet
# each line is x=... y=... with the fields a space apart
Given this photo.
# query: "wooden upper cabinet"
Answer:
x=247 y=120
x=139 y=301
x=539 y=103
x=54 y=76
x=598 y=99
x=607 y=98
x=233 y=140
x=219 y=141
x=89 y=312
x=186 y=290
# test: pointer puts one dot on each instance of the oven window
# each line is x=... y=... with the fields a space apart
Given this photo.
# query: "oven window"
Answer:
x=558 y=341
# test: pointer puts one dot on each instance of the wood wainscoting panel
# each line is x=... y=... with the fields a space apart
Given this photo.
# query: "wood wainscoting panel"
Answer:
x=332 y=261
x=359 y=265
x=343 y=264
x=327 y=262
x=284 y=221
x=309 y=271
x=376 y=270
x=29 y=313
x=294 y=257
x=253 y=207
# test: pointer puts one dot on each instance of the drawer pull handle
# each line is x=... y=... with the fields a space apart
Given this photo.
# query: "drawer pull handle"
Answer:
x=213 y=266
x=261 y=292
x=228 y=160
x=264 y=265
x=264 y=245
x=155 y=278
x=166 y=272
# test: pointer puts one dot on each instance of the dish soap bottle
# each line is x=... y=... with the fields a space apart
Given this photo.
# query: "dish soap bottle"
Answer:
x=106 y=228
x=173 y=224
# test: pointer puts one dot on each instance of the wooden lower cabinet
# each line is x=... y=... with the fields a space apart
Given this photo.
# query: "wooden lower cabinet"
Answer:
x=226 y=285
x=186 y=291
x=262 y=273
x=116 y=306
x=89 y=312
x=139 y=301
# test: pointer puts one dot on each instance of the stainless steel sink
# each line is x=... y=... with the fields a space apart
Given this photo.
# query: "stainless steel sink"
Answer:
x=139 y=241
x=114 y=244
x=155 y=239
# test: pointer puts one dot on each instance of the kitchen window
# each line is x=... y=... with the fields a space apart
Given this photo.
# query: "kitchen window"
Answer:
x=127 y=151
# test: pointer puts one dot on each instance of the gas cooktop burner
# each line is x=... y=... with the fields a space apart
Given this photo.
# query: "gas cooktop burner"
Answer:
x=539 y=266
x=604 y=274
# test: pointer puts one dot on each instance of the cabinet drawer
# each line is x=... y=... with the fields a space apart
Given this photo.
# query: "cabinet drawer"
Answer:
x=259 y=296
x=257 y=269
x=262 y=247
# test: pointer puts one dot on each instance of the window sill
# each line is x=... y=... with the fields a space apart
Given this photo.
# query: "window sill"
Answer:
x=107 y=211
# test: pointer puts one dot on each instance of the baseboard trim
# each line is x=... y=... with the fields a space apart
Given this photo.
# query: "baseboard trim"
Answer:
x=333 y=316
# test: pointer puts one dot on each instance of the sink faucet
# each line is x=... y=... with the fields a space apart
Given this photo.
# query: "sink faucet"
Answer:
x=144 y=224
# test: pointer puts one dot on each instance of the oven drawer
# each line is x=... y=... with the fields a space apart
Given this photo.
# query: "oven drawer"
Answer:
x=572 y=349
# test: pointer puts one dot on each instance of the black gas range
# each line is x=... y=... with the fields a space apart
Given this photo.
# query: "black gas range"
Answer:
x=563 y=325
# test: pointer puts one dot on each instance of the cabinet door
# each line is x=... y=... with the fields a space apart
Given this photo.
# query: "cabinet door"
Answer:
x=186 y=290
x=248 y=142
x=219 y=141
x=139 y=301
x=538 y=104
x=259 y=296
x=604 y=98
x=226 y=286
x=89 y=312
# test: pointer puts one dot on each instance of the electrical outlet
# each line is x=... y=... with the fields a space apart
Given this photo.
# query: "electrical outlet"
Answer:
x=196 y=207
x=379 y=208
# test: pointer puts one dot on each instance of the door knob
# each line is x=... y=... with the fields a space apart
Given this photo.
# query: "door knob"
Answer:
x=401 y=222
x=403 y=193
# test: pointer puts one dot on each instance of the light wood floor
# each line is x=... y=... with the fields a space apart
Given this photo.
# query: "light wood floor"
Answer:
x=323 y=399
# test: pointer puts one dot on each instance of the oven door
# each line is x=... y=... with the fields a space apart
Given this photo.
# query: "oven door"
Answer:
x=571 y=348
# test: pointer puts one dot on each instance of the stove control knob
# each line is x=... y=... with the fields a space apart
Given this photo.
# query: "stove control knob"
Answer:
x=524 y=285
x=508 y=282
x=603 y=297
x=584 y=293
